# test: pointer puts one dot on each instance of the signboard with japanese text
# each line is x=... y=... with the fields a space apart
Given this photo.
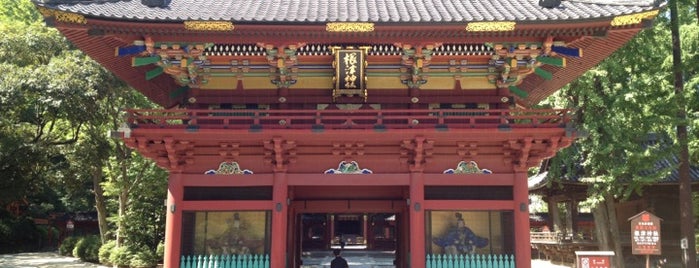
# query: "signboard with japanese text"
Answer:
x=350 y=76
x=645 y=234
x=593 y=259
x=350 y=69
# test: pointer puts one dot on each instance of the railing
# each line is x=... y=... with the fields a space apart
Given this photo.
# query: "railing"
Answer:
x=545 y=237
x=470 y=261
x=559 y=237
x=561 y=247
x=225 y=261
x=347 y=119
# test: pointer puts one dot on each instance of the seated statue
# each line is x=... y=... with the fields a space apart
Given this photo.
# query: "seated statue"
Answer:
x=460 y=239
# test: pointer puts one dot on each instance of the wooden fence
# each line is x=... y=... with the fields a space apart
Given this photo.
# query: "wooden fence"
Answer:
x=225 y=261
x=470 y=261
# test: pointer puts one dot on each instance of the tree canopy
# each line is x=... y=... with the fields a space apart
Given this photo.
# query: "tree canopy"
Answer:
x=55 y=154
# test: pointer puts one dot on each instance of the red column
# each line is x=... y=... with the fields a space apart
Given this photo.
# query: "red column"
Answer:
x=523 y=250
x=365 y=229
x=280 y=213
x=417 y=220
x=173 y=222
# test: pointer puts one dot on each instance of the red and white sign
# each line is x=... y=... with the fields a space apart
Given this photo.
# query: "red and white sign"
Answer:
x=594 y=259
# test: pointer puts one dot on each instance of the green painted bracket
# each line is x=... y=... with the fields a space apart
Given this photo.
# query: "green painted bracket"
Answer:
x=177 y=92
x=140 y=61
x=560 y=62
x=543 y=73
x=519 y=92
x=154 y=73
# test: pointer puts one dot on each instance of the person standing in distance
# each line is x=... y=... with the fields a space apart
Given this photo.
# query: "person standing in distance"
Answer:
x=339 y=261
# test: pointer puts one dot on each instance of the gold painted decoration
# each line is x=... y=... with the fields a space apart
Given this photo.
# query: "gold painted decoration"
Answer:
x=349 y=27
x=63 y=16
x=633 y=18
x=212 y=26
x=491 y=26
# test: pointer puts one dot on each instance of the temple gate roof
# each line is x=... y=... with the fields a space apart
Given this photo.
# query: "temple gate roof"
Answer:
x=376 y=11
x=479 y=35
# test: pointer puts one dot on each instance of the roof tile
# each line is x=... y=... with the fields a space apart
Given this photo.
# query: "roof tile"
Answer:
x=378 y=11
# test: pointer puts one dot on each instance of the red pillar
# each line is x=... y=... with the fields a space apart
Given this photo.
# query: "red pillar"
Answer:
x=173 y=222
x=523 y=250
x=365 y=229
x=417 y=220
x=278 y=258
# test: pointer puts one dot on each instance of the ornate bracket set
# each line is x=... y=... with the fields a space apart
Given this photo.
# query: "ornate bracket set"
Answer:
x=508 y=67
x=510 y=63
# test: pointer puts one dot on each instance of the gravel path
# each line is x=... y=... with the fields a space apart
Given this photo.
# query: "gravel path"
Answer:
x=43 y=260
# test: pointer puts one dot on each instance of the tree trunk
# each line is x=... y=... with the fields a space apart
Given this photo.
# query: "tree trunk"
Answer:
x=123 y=198
x=685 y=182
x=614 y=231
x=555 y=215
x=123 y=194
x=99 y=202
x=602 y=227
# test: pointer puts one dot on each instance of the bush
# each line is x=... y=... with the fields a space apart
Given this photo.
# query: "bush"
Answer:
x=67 y=246
x=121 y=256
x=19 y=234
x=160 y=251
x=87 y=248
x=5 y=235
x=144 y=258
x=105 y=252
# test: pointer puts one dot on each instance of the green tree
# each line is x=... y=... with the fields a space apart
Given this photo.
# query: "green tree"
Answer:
x=18 y=11
x=54 y=154
x=620 y=102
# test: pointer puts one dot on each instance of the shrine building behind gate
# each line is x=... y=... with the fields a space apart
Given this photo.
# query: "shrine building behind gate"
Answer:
x=293 y=127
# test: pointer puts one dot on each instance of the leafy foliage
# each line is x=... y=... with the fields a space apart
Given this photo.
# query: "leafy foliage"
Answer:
x=68 y=245
x=121 y=256
x=18 y=235
x=18 y=11
x=54 y=154
x=144 y=258
x=624 y=105
x=87 y=248
x=105 y=252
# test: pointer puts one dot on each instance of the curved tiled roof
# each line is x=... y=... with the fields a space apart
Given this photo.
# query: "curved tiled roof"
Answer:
x=377 y=11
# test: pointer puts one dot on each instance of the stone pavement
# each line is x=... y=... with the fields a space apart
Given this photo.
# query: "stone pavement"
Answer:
x=376 y=259
x=355 y=259
x=43 y=260
x=53 y=260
